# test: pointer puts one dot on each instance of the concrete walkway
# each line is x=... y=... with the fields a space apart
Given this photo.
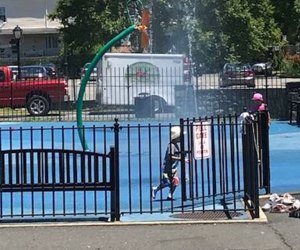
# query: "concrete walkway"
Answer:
x=271 y=231
x=281 y=232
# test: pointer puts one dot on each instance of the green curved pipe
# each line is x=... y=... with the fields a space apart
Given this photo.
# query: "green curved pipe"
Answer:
x=86 y=77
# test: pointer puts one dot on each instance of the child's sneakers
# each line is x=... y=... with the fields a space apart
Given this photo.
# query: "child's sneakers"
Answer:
x=170 y=197
x=154 y=191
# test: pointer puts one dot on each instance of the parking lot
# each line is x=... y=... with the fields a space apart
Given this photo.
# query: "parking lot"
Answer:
x=206 y=81
x=211 y=81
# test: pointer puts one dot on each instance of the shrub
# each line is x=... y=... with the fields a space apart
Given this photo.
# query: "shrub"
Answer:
x=290 y=66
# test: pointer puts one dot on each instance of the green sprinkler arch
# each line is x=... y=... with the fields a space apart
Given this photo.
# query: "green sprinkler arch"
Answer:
x=86 y=77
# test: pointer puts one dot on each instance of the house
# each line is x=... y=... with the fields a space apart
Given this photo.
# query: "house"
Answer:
x=40 y=36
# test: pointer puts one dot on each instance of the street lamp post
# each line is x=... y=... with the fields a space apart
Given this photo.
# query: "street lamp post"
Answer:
x=18 y=32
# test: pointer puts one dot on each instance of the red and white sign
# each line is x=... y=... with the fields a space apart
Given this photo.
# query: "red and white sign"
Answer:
x=201 y=136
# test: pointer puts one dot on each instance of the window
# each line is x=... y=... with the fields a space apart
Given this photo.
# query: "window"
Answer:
x=51 y=42
x=2 y=14
x=2 y=76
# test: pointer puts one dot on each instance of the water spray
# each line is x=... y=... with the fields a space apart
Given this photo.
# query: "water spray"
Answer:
x=142 y=28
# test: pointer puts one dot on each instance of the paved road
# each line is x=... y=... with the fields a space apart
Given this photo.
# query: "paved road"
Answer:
x=281 y=233
x=74 y=86
x=211 y=81
x=207 y=81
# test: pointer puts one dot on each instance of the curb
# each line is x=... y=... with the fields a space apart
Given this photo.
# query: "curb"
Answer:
x=262 y=219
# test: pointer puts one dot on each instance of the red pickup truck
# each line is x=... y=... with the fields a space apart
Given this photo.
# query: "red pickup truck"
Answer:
x=36 y=95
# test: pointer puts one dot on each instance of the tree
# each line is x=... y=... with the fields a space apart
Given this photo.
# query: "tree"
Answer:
x=169 y=34
x=233 y=30
x=89 y=24
x=287 y=15
x=297 y=24
x=220 y=31
x=208 y=38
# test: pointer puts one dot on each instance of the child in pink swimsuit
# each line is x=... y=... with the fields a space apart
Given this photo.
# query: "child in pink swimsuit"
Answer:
x=259 y=104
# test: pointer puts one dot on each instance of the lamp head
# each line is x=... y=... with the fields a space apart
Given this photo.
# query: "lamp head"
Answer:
x=17 y=31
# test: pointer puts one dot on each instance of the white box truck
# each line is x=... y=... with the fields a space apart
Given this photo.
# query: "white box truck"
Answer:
x=124 y=77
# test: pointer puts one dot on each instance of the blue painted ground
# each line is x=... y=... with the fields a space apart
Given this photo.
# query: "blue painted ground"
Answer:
x=284 y=162
x=284 y=157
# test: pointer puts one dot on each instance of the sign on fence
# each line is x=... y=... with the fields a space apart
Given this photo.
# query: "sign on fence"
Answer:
x=201 y=136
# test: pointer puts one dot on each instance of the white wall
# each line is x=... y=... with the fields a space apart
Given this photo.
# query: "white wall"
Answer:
x=28 y=13
x=31 y=16
x=27 y=8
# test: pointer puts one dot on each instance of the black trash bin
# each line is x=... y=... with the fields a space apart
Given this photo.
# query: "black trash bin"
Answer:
x=293 y=89
x=144 y=107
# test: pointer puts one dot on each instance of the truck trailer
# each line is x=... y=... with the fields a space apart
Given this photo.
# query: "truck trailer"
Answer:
x=127 y=78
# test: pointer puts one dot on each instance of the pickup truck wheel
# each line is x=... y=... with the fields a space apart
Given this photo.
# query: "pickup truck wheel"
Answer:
x=38 y=105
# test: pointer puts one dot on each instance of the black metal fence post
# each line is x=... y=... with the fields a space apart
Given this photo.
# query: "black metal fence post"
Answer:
x=265 y=150
x=128 y=90
x=250 y=162
x=116 y=168
x=254 y=187
x=183 y=173
x=115 y=192
x=254 y=178
x=266 y=82
x=297 y=114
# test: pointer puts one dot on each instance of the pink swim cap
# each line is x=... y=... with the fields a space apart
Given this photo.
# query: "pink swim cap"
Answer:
x=257 y=97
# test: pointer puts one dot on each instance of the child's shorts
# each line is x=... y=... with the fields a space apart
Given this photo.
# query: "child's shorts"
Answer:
x=166 y=180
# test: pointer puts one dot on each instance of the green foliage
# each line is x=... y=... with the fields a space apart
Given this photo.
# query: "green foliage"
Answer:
x=297 y=6
x=289 y=68
x=287 y=15
x=277 y=59
x=219 y=31
x=233 y=30
x=88 y=24
x=168 y=31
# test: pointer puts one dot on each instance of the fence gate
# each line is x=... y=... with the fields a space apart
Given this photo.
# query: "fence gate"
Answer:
x=43 y=179
x=227 y=167
x=222 y=177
